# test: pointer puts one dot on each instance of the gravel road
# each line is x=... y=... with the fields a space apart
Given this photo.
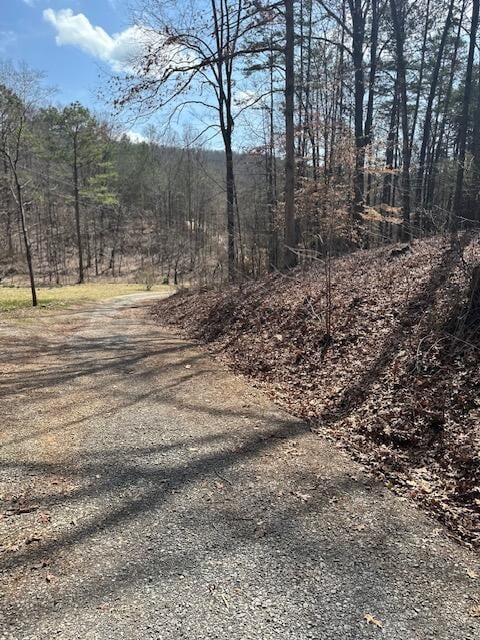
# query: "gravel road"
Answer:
x=149 y=493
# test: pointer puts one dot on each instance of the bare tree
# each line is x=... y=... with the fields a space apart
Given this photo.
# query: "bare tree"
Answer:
x=462 y=133
x=20 y=94
x=427 y=123
x=289 y=258
x=398 y=19
x=197 y=49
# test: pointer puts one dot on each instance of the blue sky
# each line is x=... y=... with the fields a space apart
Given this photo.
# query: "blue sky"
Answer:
x=73 y=42
x=76 y=43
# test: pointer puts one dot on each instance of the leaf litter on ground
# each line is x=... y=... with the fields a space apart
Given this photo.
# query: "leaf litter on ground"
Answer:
x=397 y=382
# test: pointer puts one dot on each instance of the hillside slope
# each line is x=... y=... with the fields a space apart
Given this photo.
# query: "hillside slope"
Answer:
x=396 y=381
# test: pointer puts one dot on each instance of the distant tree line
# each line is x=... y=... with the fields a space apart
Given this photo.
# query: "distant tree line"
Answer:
x=78 y=201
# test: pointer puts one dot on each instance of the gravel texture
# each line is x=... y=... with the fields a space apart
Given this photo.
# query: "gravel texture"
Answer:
x=149 y=493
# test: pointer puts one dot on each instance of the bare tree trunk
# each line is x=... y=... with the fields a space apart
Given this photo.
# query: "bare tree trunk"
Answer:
x=289 y=258
x=371 y=82
x=26 y=239
x=433 y=169
x=421 y=72
x=399 y=33
x=230 y=184
x=457 y=209
x=271 y=187
x=226 y=35
x=428 y=113
x=8 y=207
x=358 y=25
x=390 y=149
x=474 y=202
x=77 y=211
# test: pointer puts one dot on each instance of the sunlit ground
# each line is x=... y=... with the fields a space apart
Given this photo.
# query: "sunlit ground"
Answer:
x=19 y=298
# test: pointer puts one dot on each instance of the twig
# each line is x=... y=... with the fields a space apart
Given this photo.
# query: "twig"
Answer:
x=224 y=479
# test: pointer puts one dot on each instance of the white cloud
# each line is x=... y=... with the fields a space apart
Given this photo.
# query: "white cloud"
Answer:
x=29 y=3
x=136 y=137
x=122 y=51
x=119 y=50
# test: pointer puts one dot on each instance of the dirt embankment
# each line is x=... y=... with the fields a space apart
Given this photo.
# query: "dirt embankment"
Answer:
x=397 y=379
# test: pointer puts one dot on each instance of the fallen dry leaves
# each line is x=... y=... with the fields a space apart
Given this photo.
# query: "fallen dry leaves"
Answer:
x=369 y=619
x=397 y=384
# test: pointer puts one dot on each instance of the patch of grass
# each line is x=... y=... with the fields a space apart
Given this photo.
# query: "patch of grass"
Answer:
x=19 y=298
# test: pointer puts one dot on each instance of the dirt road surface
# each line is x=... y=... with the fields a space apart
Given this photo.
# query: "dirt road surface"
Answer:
x=146 y=492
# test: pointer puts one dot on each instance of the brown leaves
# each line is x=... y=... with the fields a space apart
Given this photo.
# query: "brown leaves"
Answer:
x=44 y=517
x=19 y=505
x=391 y=387
x=369 y=619
x=421 y=486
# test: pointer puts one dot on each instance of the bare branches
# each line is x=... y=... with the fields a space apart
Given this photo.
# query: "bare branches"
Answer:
x=336 y=18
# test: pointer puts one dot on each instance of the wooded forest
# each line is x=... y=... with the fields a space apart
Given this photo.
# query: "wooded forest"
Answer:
x=323 y=126
x=240 y=319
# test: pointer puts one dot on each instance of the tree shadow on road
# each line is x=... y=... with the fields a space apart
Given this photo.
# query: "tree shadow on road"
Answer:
x=222 y=485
